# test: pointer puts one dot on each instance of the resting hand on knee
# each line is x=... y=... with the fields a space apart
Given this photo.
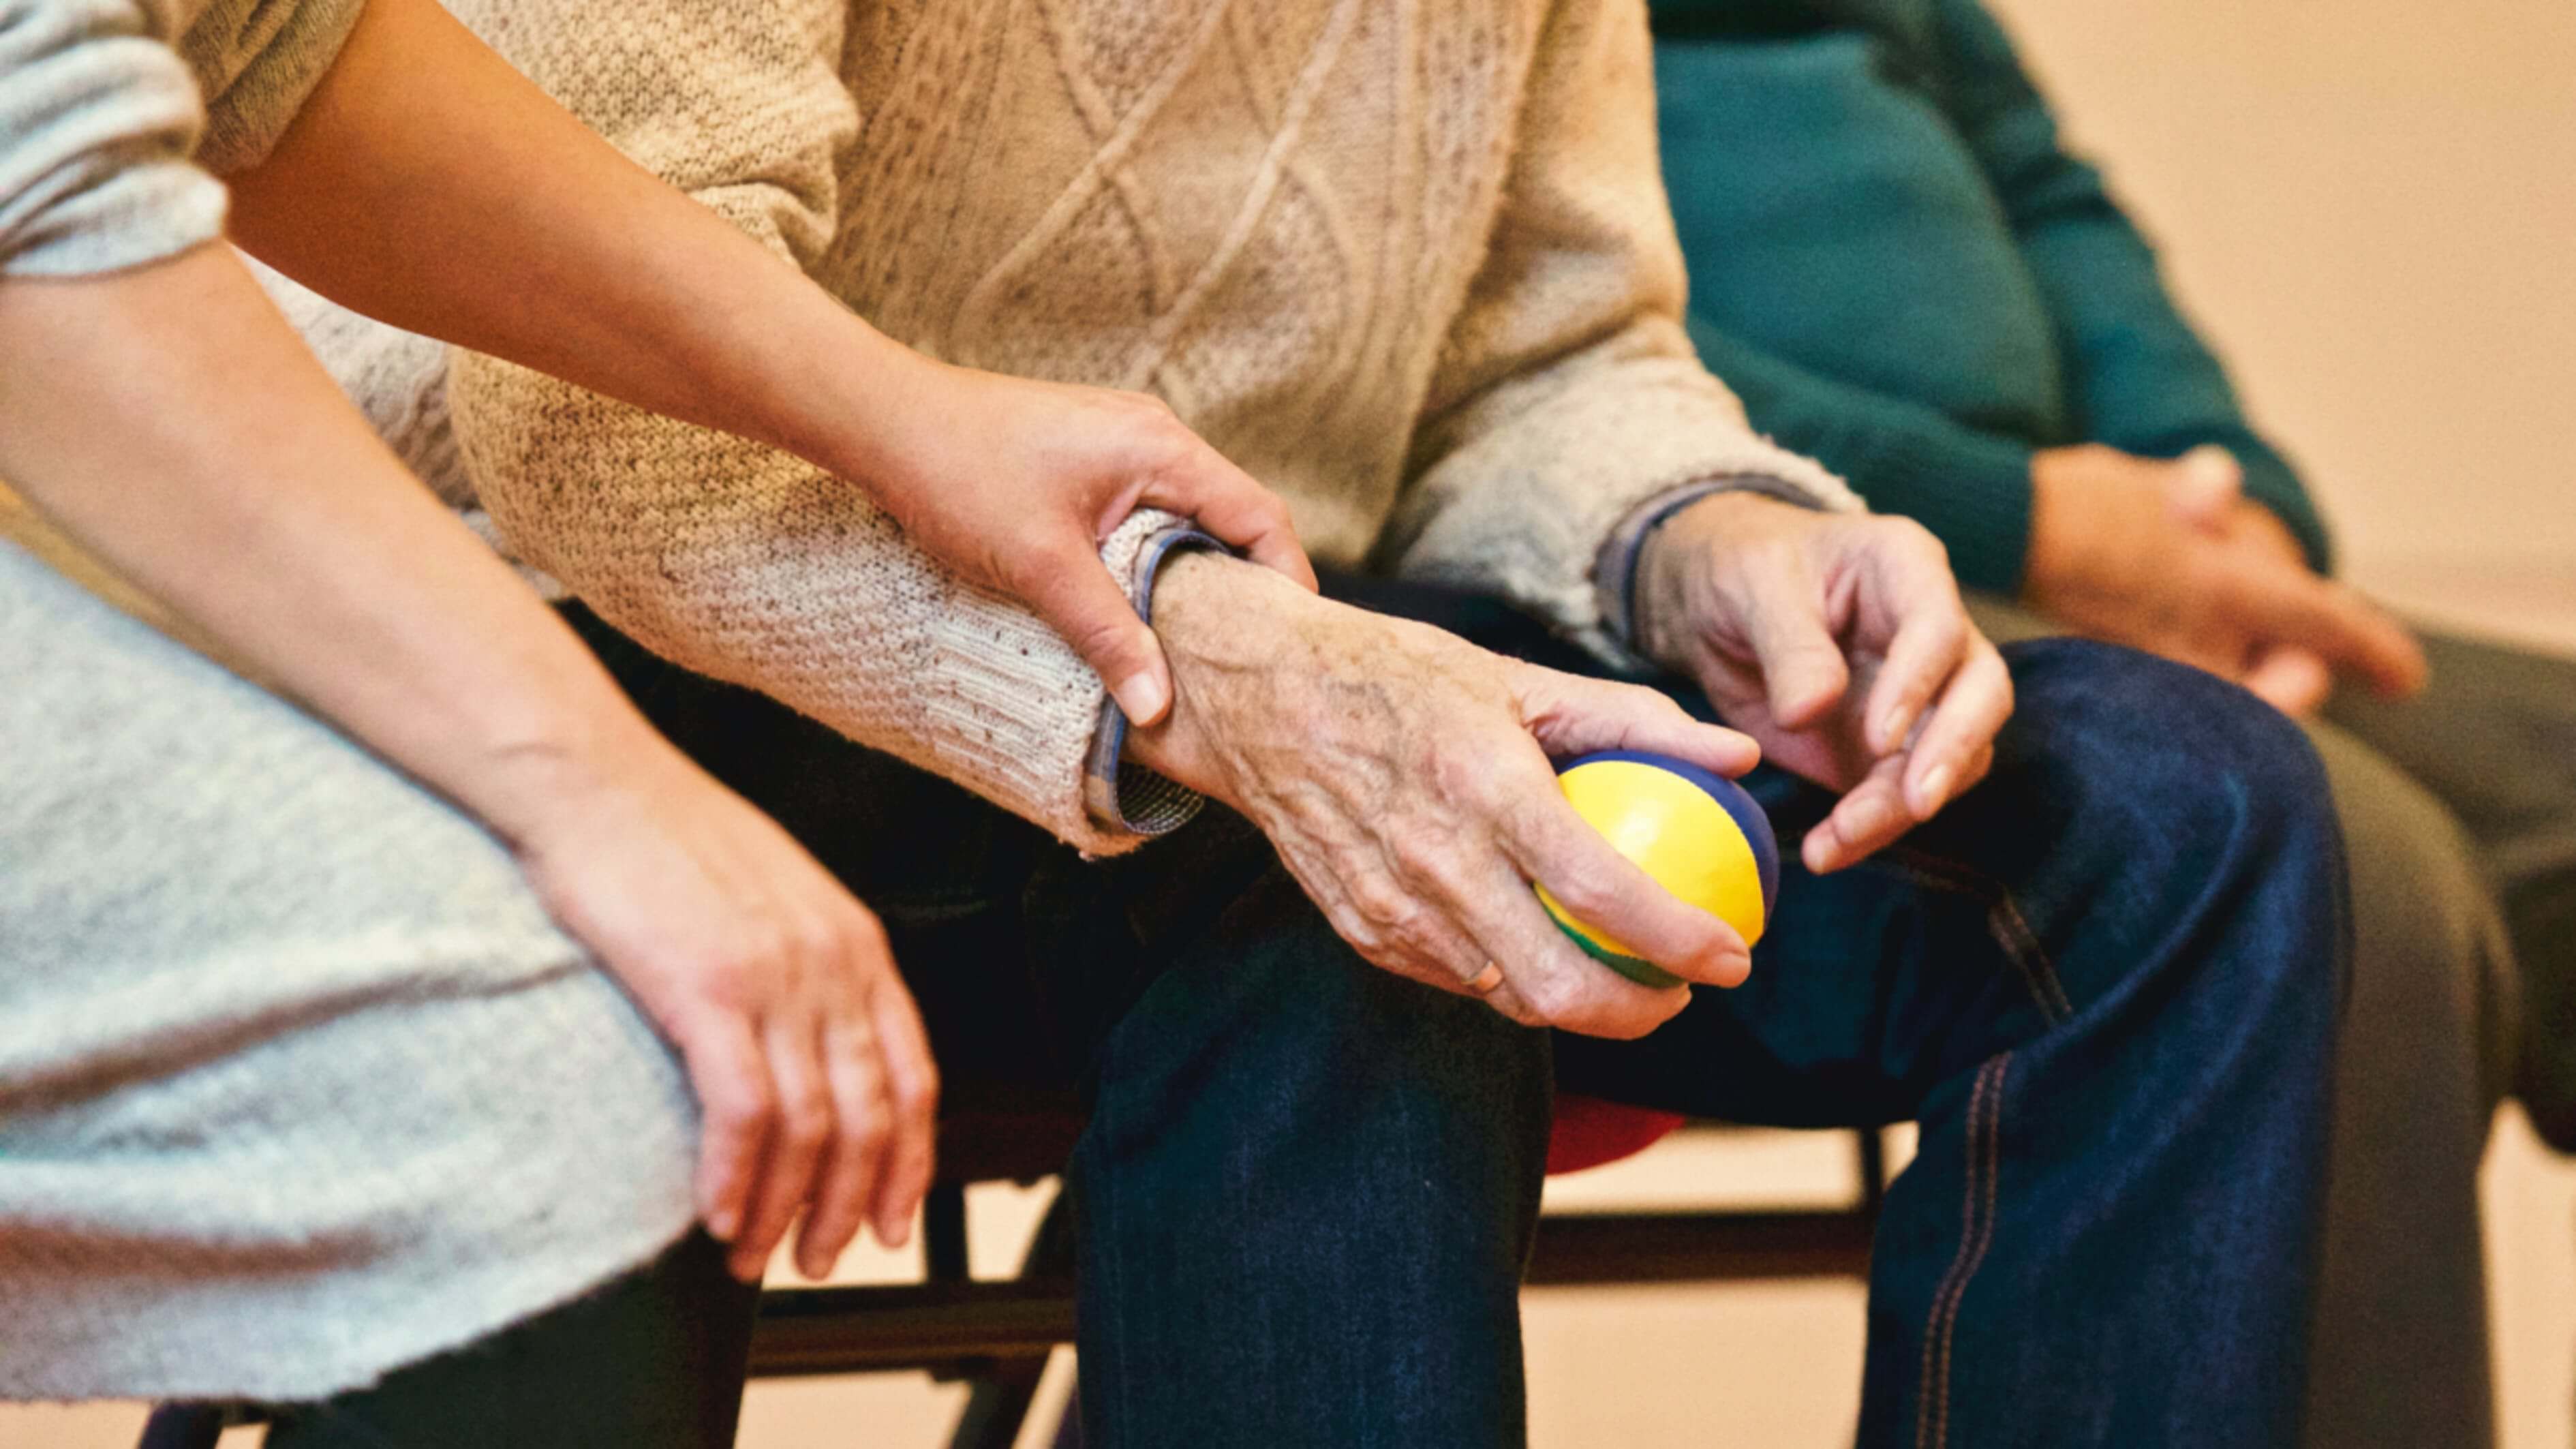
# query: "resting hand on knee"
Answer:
x=1403 y=775
x=1839 y=642
x=809 y=1061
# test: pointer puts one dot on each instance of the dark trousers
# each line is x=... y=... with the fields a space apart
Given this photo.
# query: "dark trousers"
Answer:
x=2105 y=982
x=652 y=1361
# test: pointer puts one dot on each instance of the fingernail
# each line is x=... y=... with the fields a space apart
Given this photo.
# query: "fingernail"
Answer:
x=1891 y=727
x=1936 y=788
x=1142 y=697
x=1735 y=965
x=723 y=1223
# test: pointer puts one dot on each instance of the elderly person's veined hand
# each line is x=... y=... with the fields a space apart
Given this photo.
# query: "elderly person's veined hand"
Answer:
x=1403 y=775
x=2168 y=556
x=1838 y=640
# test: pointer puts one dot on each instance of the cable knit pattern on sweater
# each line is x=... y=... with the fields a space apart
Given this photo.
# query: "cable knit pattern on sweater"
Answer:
x=1407 y=263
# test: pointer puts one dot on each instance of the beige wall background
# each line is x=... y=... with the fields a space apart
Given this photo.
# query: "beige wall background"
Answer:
x=2372 y=205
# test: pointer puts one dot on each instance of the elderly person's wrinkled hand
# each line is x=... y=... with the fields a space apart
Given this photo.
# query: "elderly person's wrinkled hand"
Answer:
x=1839 y=642
x=1404 y=776
x=2169 y=557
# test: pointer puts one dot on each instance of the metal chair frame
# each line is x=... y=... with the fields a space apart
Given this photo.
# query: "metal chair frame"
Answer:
x=997 y=1334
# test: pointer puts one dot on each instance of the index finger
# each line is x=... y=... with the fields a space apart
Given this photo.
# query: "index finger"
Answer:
x=1547 y=974
x=1973 y=708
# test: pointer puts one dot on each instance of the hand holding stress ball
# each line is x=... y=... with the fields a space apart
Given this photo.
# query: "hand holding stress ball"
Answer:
x=1698 y=835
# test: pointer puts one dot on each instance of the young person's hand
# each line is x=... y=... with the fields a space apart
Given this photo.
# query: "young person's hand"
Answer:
x=812 y=1073
x=1014 y=483
x=427 y=184
x=1403 y=775
x=168 y=419
x=1839 y=642
x=2167 y=556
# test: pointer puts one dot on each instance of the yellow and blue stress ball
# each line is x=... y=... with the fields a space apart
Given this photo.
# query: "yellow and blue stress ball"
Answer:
x=1699 y=835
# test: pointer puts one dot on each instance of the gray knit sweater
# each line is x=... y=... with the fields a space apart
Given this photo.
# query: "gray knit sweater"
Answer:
x=297 y=1081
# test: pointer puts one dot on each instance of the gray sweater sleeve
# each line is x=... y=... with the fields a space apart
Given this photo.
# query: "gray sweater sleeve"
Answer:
x=105 y=131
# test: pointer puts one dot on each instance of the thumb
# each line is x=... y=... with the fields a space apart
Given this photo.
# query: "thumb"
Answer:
x=2203 y=485
x=1072 y=590
x=1224 y=500
x=2290 y=679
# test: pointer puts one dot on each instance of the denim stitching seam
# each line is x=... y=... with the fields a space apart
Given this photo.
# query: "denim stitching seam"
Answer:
x=2004 y=920
x=1976 y=1234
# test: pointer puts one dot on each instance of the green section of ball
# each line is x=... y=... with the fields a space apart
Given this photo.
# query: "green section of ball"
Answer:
x=1644 y=973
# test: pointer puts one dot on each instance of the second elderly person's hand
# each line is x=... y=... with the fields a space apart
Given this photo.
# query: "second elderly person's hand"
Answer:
x=1403 y=775
x=2162 y=555
x=1838 y=641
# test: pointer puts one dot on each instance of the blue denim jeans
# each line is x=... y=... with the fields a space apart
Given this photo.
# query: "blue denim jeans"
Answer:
x=2105 y=982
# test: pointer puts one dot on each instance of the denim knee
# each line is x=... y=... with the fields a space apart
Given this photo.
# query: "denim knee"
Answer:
x=2171 y=794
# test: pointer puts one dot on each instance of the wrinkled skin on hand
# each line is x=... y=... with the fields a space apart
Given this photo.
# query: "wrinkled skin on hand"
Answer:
x=1404 y=776
x=1839 y=642
x=2169 y=557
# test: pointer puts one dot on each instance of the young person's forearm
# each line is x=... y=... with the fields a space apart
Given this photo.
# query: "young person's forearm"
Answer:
x=551 y=249
x=169 y=420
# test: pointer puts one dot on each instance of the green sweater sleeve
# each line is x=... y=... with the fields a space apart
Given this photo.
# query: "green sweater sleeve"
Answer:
x=1971 y=488
x=2141 y=379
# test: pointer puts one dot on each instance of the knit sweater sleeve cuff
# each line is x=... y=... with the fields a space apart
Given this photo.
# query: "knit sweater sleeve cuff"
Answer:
x=1614 y=575
x=1120 y=795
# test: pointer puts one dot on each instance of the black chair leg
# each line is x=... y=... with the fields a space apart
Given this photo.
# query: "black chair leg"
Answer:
x=998 y=1407
x=183 y=1426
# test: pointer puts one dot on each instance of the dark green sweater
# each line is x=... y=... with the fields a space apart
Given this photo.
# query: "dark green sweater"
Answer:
x=1901 y=272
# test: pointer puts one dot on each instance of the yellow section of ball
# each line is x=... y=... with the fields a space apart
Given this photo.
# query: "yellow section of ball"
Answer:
x=1676 y=834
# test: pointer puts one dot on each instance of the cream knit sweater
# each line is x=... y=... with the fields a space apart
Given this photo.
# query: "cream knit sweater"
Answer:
x=1409 y=263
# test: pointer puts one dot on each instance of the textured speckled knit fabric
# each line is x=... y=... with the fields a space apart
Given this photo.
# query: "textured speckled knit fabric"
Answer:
x=1409 y=264
x=297 y=1081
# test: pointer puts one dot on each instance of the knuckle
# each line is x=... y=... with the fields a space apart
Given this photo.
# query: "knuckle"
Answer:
x=1380 y=902
x=806 y=1121
x=1554 y=997
x=1910 y=533
x=869 y=1135
x=915 y=1094
x=740 y=1106
x=1585 y=888
x=862 y=937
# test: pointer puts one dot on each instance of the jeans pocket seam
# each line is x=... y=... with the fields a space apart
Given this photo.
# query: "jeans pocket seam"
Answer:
x=2004 y=921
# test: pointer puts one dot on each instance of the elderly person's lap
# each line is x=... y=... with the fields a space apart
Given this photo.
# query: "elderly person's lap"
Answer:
x=2105 y=981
